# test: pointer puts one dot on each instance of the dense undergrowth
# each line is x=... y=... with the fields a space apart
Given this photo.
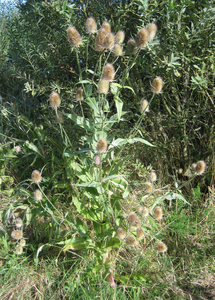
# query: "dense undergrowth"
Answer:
x=105 y=194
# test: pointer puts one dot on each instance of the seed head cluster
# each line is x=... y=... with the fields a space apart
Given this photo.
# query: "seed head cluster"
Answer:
x=54 y=100
x=108 y=72
x=161 y=247
x=144 y=106
x=73 y=36
x=119 y=37
x=38 y=195
x=152 y=29
x=103 y=86
x=142 y=38
x=131 y=241
x=36 y=177
x=121 y=233
x=158 y=213
x=90 y=25
x=101 y=146
x=200 y=167
x=16 y=234
x=157 y=85
x=79 y=96
x=133 y=220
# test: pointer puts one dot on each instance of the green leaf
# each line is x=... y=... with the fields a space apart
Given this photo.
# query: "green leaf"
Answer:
x=32 y=147
x=81 y=121
x=119 y=105
x=135 y=140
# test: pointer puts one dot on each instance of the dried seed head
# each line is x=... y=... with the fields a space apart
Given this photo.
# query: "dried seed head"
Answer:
x=140 y=233
x=149 y=187
x=121 y=233
x=79 y=93
x=158 y=213
x=36 y=177
x=145 y=212
x=139 y=208
x=144 y=106
x=59 y=117
x=133 y=220
x=103 y=86
x=109 y=41
x=108 y=72
x=117 y=50
x=102 y=145
x=142 y=38
x=106 y=27
x=152 y=29
x=161 y=247
x=17 y=149
x=193 y=166
x=131 y=47
x=38 y=196
x=18 y=223
x=16 y=234
x=100 y=39
x=19 y=250
x=157 y=85
x=54 y=100
x=152 y=176
x=22 y=243
x=97 y=160
x=91 y=26
x=131 y=241
x=200 y=167
x=119 y=37
x=73 y=36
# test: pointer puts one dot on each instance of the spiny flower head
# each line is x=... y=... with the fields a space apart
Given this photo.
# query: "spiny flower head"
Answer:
x=140 y=233
x=157 y=85
x=91 y=26
x=161 y=247
x=144 y=106
x=18 y=223
x=145 y=212
x=119 y=37
x=73 y=36
x=106 y=27
x=158 y=213
x=200 y=167
x=152 y=176
x=79 y=96
x=149 y=187
x=108 y=72
x=121 y=233
x=109 y=41
x=19 y=250
x=100 y=39
x=131 y=241
x=101 y=145
x=139 y=208
x=16 y=234
x=142 y=38
x=152 y=29
x=103 y=86
x=36 y=177
x=38 y=196
x=133 y=220
x=117 y=50
x=97 y=160
x=17 y=149
x=131 y=48
x=54 y=100
x=22 y=242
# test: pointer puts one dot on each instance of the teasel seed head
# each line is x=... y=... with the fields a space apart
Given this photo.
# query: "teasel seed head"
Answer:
x=17 y=149
x=200 y=167
x=22 y=242
x=102 y=145
x=131 y=241
x=119 y=37
x=133 y=220
x=109 y=41
x=103 y=86
x=144 y=106
x=100 y=39
x=131 y=48
x=19 y=250
x=38 y=196
x=121 y=233
x=158 y=213
x=16 y=234
x=108 y=72
x=149 y=187
x=152 y=176
x=91 y=26
x=140 y=233
x=139 y=208
x=145 y=212
x=161 y=247
x=152 y=29
x=79 y=94
x=106 y=27
x=54 y=100
x=117 y=50
x=36 y=177
x=142 y=38
x=157 y=85
x=18 y=223
x=97 y=160
x=73 y=36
